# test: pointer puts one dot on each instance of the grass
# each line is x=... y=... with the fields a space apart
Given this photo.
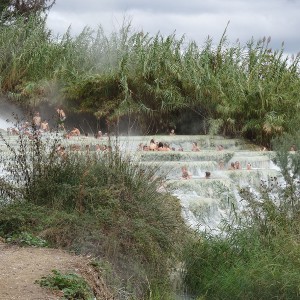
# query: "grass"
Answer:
x=243 y=268
x=106 y=206
x=257 y=255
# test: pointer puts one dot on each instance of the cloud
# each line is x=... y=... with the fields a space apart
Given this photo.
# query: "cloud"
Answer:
x=196 y=19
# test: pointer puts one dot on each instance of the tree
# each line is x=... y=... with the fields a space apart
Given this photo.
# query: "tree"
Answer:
x=10 y=9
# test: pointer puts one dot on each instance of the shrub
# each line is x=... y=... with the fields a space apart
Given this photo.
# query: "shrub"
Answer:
x=257 y=255
x=72 y=285
x=106 y=205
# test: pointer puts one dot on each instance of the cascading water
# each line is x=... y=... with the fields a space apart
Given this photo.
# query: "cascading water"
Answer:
x=205 y=202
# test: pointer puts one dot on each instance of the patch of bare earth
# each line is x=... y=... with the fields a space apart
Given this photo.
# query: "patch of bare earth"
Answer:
x=20 y=267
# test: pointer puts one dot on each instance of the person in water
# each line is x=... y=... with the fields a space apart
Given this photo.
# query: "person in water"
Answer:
x=153 y=145
x=185 y=174
x=172 y=132
x=45 y=126
x=61 y=118
x=237 y=165
x=75 y=132
x=207 y=175
x=36 y=121
x=195 y=147
x=232 y=166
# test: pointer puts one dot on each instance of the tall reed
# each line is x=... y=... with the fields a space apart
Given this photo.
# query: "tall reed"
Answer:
x=252 y=90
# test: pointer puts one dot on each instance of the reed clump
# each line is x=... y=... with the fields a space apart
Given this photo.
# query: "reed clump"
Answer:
x=159 y=82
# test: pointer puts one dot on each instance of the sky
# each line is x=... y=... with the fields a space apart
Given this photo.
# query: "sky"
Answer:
x=196 y=19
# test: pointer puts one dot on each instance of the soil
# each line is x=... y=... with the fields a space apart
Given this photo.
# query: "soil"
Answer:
x=20 y=267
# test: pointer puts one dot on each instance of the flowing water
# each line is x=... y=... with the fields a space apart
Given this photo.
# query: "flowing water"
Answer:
x=205 y=202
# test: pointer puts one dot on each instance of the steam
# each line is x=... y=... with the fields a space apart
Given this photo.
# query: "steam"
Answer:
x=8 y=114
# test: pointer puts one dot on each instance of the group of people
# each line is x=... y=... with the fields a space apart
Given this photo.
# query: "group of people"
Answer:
x=237 y=166
x=155 y=146
x=160 y=146
x=43 y=126
x=62 y=151
x=185 y=174
x=38 y=124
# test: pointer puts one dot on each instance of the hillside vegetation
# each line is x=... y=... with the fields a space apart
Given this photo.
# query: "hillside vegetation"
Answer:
x=104 y=205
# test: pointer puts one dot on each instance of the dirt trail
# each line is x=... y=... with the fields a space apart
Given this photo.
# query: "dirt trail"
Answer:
x=20 y=267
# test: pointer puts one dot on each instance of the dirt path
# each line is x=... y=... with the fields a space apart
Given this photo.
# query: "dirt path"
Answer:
x=20 y=267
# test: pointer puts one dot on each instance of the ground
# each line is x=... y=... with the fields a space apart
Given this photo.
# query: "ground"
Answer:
x=20 y=267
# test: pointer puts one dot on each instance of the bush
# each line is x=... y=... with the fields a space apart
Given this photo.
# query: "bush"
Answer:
x=72 y=285
x=25 y=238
x=106 y=205
x=257 y=255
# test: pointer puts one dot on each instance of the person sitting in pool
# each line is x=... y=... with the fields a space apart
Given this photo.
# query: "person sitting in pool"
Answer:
x=75 y=132
x=172 y=132
x=237 y=165
x=166 y=147
x=44 y=126
x=185 y=174
x=232 y=166
x=160 y=146
x=153 y=145
x=195 y=147
x=207 y=175
x=249 y=167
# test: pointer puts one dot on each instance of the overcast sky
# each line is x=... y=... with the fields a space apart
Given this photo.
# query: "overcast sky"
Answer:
x=196 y=19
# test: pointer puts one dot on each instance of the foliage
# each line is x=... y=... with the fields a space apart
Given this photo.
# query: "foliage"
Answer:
x=154 y=81
x=257 y=255
x=105 y=205
x=72 y=285
x=25 y=238
x=11 y=9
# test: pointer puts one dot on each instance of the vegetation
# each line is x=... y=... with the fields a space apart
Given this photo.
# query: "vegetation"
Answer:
x=72 y=285
x=154 y=81
x=256 y=256
x=12 y=9
x=106 y=205
x=26 y=239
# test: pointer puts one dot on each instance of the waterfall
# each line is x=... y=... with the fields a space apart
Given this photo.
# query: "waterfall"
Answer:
x=205 y=201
